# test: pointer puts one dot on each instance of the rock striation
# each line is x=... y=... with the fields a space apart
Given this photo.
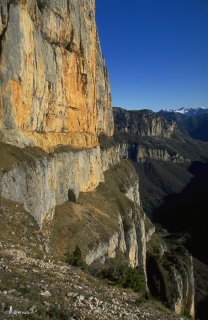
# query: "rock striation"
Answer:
x=145 y=153
x=145 y=135
x=142 y=123
x=41 y=181
x=171 y=276
x=130 y=238
x=54 y=83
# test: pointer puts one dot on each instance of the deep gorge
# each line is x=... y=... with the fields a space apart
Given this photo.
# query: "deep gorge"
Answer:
x=88 y=175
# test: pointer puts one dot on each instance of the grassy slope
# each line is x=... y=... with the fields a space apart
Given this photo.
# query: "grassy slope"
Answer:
x=36 y=282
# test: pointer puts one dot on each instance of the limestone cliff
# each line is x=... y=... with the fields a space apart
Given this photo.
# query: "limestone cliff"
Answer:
x=34 y=282
x=155 y=145
x=40 y=181
x=146 y=135
x=142 y=123
x=108 y=221
x=170 y=274
x=145 y=153
x=55 y=94
x=53 y=80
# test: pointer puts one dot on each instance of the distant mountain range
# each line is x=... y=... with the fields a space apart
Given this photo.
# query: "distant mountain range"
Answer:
x=192 y=121
x=190 y=112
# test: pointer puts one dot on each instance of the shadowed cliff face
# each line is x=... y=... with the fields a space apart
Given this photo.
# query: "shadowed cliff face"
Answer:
x=160 y=154
x=187 y=211
x=196 y=125
x=171 y=278
x=201 y=275
x=54 y=83
x=172 y=168
x=142 y=123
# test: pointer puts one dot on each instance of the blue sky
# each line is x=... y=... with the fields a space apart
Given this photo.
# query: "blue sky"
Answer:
x=156 y=52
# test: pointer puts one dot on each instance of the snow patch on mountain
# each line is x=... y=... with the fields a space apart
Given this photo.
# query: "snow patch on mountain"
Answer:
x=187 y=111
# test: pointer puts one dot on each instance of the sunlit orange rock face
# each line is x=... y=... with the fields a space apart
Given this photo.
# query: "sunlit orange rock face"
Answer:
x=53 y=80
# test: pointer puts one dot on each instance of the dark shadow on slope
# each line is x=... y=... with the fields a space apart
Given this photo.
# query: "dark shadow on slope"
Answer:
x=158 y=179
x=201 y=289
x=155 y=278
x=187 y=211
x=196 y=126
x=202 y=309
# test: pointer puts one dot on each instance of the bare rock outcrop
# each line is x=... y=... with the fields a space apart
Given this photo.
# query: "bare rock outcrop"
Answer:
x=142 y=123
x=107 y=224
x=41 y=181
x=171 y=274
x=54 y=83
x=145 y=153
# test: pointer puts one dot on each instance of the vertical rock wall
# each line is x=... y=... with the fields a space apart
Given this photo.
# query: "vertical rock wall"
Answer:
x=142 y=123
x=54 y=83
x=41 y=183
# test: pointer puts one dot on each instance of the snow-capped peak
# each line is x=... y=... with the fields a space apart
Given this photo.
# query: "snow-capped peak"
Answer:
x=187 y=111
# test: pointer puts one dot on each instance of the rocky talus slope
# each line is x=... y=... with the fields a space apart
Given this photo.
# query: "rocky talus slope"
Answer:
x=35 y=284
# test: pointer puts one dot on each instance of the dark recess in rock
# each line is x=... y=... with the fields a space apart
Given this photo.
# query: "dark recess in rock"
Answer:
x=72 y=196
x=155 y=279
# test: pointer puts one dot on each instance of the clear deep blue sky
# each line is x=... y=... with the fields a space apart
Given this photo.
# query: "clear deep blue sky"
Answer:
x=156 y=52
